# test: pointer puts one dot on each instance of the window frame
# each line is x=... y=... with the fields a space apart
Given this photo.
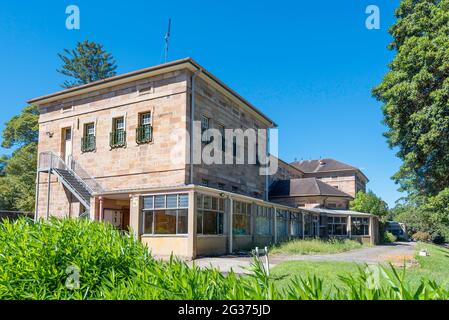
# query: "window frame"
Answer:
x=88 y=136
x=219 y=210
x=247 y=214
x=165 y=208
x=116 y=132
x=364 y=226
x=205 y=120
x=144 y=131
x=264 y=214
x=332 y=223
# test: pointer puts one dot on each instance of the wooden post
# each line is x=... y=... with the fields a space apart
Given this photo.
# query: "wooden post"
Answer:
x=36 y=206
x=101 y=207
x=49 y=189
x=231 y=212
x=275 y=226
x=192 y=236
x=303 y=225
x=349 y=227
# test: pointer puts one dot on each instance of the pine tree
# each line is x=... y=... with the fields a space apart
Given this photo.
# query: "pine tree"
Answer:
x=88 y=62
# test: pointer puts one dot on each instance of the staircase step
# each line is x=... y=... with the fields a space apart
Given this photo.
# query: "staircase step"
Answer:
x=74 y=183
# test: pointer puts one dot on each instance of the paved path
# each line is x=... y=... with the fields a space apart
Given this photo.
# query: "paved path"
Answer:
x=396 y=253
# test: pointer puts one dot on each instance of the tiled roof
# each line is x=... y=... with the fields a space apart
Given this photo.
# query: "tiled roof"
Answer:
x=304 y=187
x=323 y=165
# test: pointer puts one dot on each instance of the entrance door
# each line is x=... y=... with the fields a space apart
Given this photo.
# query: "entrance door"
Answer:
x=114 y=217
x=67 y=145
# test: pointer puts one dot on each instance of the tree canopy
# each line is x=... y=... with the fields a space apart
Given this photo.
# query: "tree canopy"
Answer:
x=22 y=129
x=415 y=95
x=369 y=203
x=18 y=172
x=88 y=62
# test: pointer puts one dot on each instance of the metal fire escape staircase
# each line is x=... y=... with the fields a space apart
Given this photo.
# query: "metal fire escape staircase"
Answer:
x=74 y=178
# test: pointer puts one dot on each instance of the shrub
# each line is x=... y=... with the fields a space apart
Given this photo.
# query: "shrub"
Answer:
x=34 y=261
x=310 y=246
x=388 y=237
x=422 y=236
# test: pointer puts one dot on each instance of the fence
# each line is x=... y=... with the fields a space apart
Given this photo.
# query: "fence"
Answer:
x=14 y=215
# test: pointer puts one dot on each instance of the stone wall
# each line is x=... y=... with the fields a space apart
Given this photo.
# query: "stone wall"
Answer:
x=159 y=163
x=314 y=202
x=221 y=111
x=285 y=171
x=342 y=180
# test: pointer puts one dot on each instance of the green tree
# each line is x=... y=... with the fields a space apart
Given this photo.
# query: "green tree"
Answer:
x=415 y=95
x=86 y=63
x=18 y=172
x=21 y=129
x=369 y=203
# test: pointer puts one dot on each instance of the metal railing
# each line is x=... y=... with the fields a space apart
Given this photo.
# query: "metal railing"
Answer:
x=144 y=134
x=117 y=138
x=84 y=176
x=49 y=161
x=88 y=143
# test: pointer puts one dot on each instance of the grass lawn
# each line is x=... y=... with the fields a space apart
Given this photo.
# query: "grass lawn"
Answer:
x=315 y=246
x=435 y=267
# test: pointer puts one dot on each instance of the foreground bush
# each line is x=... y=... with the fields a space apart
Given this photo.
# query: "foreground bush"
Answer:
x=41 y=261
x=311 y=246
x=422 y=236
x=388 y=237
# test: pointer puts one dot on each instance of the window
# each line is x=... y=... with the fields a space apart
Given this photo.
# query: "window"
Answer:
x=88 y=143
x=204 y=128
x=221 y=186
x=145 y=89
x=295 y=224
x=223 y=137
x=281 y=223
x=264 y=221
x=165 y=214
x=332 y=205
x=337 y=226
x=235 y=189
x=117 y=137
x=204 y=182
x=360 y=226
x=210 y=213
x=241 y=219
x=119 y=123
x=66 y=107
x=144 y=131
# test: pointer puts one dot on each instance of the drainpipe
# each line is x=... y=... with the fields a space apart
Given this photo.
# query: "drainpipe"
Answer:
x=267 y=147
x=192 y=119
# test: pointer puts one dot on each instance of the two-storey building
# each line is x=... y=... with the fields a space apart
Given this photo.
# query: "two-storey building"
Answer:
x=125 y=150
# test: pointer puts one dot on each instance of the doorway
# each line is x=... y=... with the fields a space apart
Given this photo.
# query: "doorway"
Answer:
x=117 y=218
x=67 y=145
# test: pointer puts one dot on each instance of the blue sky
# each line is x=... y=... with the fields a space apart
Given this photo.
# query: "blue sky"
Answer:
x=309 y=65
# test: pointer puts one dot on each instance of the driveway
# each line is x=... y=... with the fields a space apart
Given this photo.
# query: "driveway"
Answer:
x=395 y=253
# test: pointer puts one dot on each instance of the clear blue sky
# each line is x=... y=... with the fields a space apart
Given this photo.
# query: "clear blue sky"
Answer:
x=310 y=65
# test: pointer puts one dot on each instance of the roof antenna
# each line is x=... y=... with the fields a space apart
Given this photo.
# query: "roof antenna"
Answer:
x=167 y=40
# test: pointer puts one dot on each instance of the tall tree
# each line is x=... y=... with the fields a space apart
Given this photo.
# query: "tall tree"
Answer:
x=86 y=63
x=369 y=203
x=415 y=95
x=18 y=172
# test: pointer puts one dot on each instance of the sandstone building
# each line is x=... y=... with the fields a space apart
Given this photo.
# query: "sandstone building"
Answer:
x=121 y=150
